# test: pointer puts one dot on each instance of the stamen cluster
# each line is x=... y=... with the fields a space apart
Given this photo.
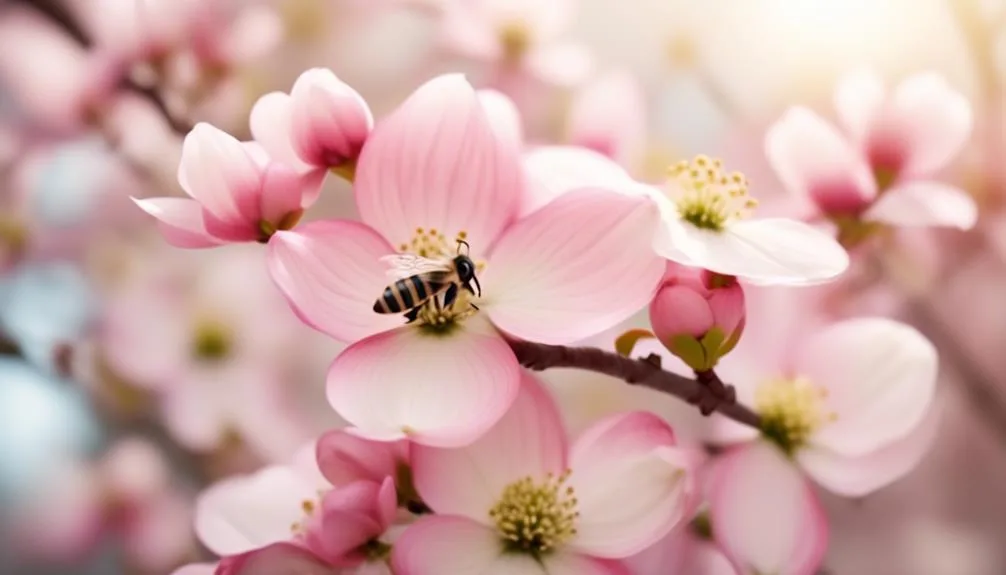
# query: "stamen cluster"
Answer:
x=791 y=410
x=706 y=196
x=536 y=516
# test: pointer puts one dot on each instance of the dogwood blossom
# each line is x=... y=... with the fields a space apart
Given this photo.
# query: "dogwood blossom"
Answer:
x=522 y=500
x=882 y=168
x=432 y=174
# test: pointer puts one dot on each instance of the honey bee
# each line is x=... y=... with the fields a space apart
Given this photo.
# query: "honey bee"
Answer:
x=419 y=280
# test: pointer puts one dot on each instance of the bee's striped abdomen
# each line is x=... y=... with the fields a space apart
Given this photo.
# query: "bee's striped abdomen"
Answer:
x=409 y=293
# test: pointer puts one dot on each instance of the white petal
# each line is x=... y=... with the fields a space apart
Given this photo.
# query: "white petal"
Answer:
x=858 y=100
x=880 y=376
x=771 y=251
x=443 y=544
x=925 y=204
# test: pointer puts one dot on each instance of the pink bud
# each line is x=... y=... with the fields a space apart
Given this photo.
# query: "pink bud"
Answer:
x=330 y=121
x=698 y=315
x=349 y=518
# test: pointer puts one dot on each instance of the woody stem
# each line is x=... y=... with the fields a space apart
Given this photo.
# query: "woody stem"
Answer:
x=644 y=371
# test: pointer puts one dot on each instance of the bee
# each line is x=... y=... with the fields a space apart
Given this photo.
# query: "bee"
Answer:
x=419 y=280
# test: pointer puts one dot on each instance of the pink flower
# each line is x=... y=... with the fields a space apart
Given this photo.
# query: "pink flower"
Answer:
x=698 y=315
x=554 y=170
x=521 y=34
x=237 y=194
x=344 y=458
x=207 y=349
x=321 y=124
x=754 y=483
x=289 y=516
x=432 y=172
x=521 y=500
x=881 y=169
x=608 y=115
x=851 y=404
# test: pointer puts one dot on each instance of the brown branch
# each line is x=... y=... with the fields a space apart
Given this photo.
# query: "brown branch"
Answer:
x=57 y=13
x=9 y=347
x=645 y=372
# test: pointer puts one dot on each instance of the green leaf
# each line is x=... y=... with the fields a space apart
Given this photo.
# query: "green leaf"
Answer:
x=689 y=350
x=627 y=341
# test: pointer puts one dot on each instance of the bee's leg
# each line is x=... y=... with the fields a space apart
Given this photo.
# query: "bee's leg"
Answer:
x=474 y=306
x=436 y=303
x=450 y=295
x=412 y=314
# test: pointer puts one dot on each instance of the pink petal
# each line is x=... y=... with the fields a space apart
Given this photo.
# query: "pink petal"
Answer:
x=565 y=64
x=442 y=544
x=180 y=221
x=219 y=174
x=578 y=266
x=565 y=563
x=350 y=516
x=554 y=170
x=932 y=119
x=271 y=125
x=880 y=376
x=917 y=203
x=632 y=485
x=435 y=390
x=242 y=513
x=859 y=99
x=330 y=272
x=436 y=162
x=609 y=116
x=196 y=569
x=528 y=441
x=856 y=476
x=503 y=115
x=273 y=560
x=344 y=458
x=812 y=159
x=284 y=191
x=755 y=484
x=331 y=121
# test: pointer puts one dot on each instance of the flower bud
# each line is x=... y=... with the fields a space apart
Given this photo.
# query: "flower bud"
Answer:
x=329 y=120
x=698 y=315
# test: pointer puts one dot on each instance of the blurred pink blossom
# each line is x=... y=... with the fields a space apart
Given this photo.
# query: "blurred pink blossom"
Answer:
x=237 y=193
x=680 y=552
x=518 y=36
x=222 y=332
x=322 y=124
x=608 y=115
x=434 y=171
x=620 y=487
x=882 y=167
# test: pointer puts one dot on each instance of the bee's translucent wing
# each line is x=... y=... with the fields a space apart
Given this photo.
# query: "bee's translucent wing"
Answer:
x=407 y=265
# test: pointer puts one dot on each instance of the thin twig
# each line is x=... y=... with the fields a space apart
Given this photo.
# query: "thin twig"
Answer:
x=644 y=372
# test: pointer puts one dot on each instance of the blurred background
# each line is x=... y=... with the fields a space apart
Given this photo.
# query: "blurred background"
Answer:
x=132 y=374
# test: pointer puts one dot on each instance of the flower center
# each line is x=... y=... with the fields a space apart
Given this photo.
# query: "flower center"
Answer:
x=706 y=196
x=212 y=341
x=431 y=244
x=515 y=38
x=536 y=516
x=791 y=410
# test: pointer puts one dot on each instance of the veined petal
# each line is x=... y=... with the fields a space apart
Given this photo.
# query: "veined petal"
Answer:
x=858 y=99
x=772 y=251
x=752 y=484
x=933 y=120
x=880 y=376
x=631 y=484
x=566 y=563
x=243 y=513
x=529 y=440
x=435 y=389
x=271 y=126
x=180 y=221
x=441 y=544
x=917 y=203
x=217 y=172
x=856 y=476
x=811 y=158
x=437 y=162
x=554 y=170
x=330 y=119
x=503 y=115
x=283 y=191
x=574 y=268
x=331 y=274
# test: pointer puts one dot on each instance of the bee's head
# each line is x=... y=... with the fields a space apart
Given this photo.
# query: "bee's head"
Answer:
x=465 y=267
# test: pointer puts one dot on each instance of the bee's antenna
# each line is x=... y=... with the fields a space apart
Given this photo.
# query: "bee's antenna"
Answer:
x=468 y=248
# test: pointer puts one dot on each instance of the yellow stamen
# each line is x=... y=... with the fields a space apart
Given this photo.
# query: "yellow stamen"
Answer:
x=707 y=196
